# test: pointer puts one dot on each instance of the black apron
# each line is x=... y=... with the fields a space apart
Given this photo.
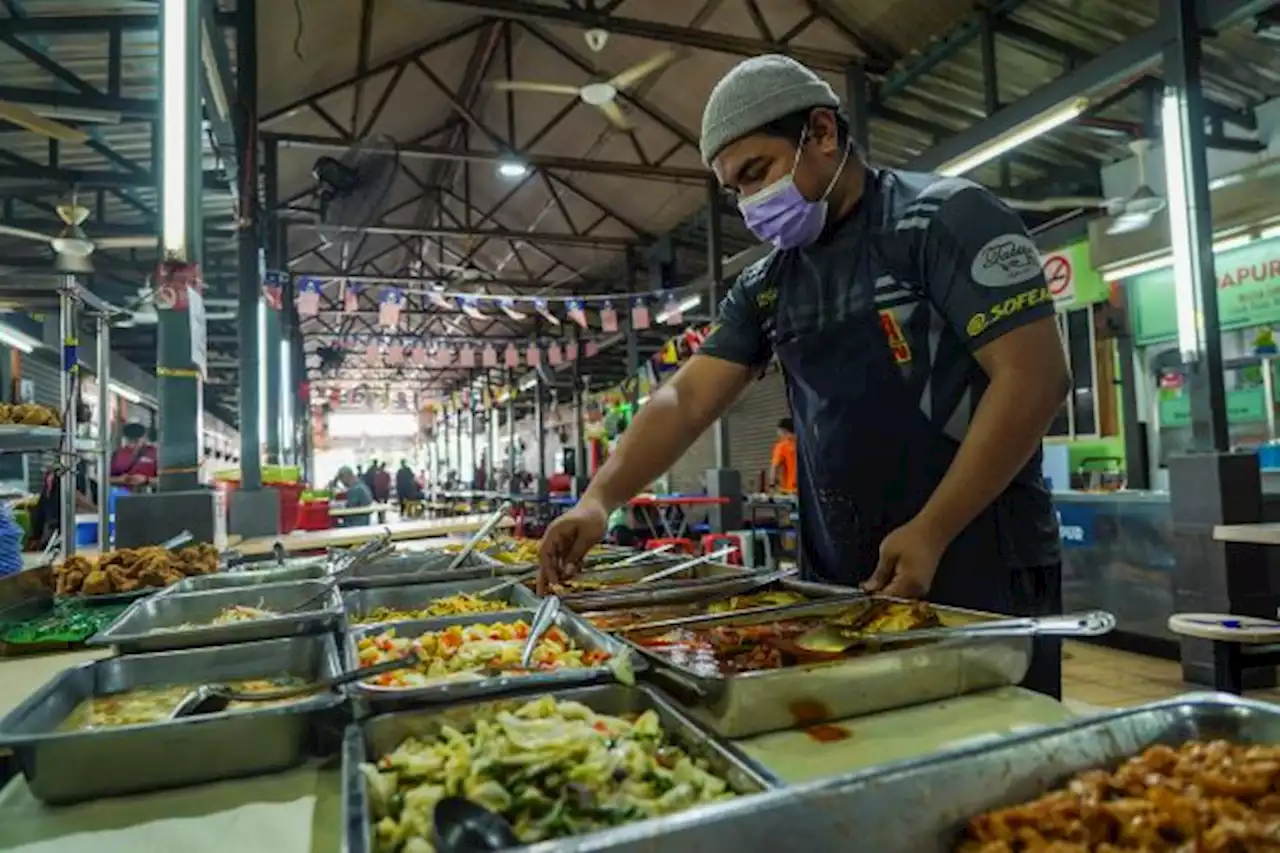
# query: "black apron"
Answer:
x=868 y=460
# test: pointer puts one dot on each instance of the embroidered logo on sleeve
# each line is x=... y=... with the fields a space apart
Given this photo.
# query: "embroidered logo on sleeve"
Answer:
x=1005 y=261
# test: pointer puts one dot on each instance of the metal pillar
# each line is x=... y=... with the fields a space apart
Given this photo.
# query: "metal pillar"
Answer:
x=457 y=442
x=471 y=428
x=103 y=447
x=272 y=356
x=859 y=100
x=180 y=387
x=249 y=255
x=511 y=430
x=1195 y=222
x=540 y=429
x=490 y=428
x=633 y=345
x=715 y=273
x=67 y=399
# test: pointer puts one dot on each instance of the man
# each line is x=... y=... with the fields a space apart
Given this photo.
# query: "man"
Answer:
x=407 y=489
x=358 y=495
x=783 y=464
x=923 y=364
x=381 y=485
x=134 y=464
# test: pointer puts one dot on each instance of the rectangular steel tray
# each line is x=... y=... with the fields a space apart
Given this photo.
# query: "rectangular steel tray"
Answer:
x=415 y=567
x=642 y=597
x=584 y=635
x=65 y=767
x=303 y=571
x=922 y=806
x=757 y=702
x=702 y=576
x=356 y=602
x=380 y=735
x=137 y=628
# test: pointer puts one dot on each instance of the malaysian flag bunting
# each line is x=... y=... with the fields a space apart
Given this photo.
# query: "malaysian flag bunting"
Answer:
x=371 y=354
x=533 y=355
x=511 y=357
x=395 y=354
x=441 y=301
x=466 y=356
x=273 y=288
x=592 y=349
x=508 y=307
x=308 y=301
x=489 y=358
x=350 y=297
x=540 y=305
x=577 y=314
x=671 y=313
x=471 y=308
x=389 y=308
x=639 y=314
x=608 y=318
x=419 y=356
x=553 y=353
x=571 y=351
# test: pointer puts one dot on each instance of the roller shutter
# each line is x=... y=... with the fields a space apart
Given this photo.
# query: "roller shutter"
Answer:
x=689 y=472
x=753 y=427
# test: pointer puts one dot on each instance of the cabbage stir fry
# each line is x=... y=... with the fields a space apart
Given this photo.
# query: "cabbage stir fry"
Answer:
x=552 y=769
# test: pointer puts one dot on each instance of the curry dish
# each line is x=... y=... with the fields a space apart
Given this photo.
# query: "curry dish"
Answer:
x=155 y=704
x=617 y=620
x=1202 y=797
x=731 y=649
x=129 y=569
x=552 y=769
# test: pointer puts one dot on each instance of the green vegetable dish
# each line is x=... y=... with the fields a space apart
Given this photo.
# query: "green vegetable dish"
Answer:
x=552 y=769
x=67 y=622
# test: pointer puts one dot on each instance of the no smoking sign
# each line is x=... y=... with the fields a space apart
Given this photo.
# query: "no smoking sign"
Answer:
x=1058 y=276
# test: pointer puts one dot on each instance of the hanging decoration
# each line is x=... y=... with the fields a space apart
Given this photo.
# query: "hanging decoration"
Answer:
x=273 y=288
x=511 y=357
x=639 y=314
x=553 y=353
x=533 y=355
x=608 y=318
x=308 y=299
x=466 y=356
x=508 y=307
x=469 y=307
x=389 y=308
x=489 y=358
x=350 y=297
x=544 y=311
x=672 y=314
x=576 y=313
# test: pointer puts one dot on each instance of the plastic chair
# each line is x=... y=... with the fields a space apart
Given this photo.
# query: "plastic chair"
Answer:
x=716 y=541
x=681 y=544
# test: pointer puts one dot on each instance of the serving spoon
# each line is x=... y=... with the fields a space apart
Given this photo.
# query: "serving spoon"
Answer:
x=462 y=826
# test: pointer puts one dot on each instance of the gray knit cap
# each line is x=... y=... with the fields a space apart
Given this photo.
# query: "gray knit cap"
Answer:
x=755 y=92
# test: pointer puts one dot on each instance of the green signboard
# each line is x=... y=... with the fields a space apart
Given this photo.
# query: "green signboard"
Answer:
x=1248 y=293
x=1071 y=277
x=1244 y=406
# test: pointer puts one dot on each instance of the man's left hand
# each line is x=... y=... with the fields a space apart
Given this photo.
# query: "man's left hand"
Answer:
x=908 y=561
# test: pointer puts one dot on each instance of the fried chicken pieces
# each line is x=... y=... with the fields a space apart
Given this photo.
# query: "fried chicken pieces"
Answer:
x=129 y=569
x=29 y=414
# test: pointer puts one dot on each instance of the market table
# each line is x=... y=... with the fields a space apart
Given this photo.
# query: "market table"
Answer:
x=345 y=537
x=661 y=504
x=1264 y=533
x=381 y=509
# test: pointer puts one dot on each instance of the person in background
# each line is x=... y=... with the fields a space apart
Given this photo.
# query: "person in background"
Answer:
x=134 y=464
x=406 y=486
x=381 y=484
x=783 y=464
x=358 y=495
x=367 y=476
x=46 y=516
x=10 y=541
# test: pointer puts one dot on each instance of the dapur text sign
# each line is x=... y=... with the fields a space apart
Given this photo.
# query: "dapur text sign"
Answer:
x=1248 y=284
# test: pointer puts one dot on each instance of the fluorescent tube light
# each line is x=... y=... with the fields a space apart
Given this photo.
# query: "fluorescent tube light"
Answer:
x=1190 y=320
x=173 y=123
x=122 y=390
x=1041 y=124
x=18 y=340
x=686 y=304
x=1224 y=244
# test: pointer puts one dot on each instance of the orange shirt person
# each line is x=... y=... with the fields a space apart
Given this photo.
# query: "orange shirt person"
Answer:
x=784 y=457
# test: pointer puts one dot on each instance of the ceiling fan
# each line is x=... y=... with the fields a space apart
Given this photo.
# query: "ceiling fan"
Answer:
x=1135 y=212
x=72 y=248
x=601 y=94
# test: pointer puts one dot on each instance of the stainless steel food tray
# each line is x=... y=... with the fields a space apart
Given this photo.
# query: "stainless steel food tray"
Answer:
x=642 y=597
x=922 y=806
x=702 y=576
x=140 y=628
x=415 y=567
x=380 y=735
x=584 y=635
x=64 y=767
x=757 y=702
x=303 y=571
x=357 y=602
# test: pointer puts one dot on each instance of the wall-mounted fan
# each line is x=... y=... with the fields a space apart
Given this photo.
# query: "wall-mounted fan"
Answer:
x=1135 y=212
x=601 y=94
x=354 y=186
x=72 y=248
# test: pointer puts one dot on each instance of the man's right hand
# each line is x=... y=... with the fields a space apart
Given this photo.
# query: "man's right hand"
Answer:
x=566 y=542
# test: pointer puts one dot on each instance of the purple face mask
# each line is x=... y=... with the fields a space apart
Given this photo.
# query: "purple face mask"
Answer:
x=782 y=216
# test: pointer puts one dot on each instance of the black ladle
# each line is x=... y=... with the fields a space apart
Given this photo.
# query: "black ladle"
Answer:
x=462 y=826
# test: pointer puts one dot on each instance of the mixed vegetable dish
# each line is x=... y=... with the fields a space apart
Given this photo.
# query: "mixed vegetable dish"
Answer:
x=551 y=768
x=453 y=605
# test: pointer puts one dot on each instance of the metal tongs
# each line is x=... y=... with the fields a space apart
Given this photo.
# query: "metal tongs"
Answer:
x=343 y=564
x=1092 y=623
x=485 y=529
x=662 y=574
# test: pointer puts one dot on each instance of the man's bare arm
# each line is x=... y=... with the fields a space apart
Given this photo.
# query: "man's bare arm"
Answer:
x=666 y=426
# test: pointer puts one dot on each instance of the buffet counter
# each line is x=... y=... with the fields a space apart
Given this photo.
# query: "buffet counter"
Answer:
x=299 y=811
x=346 y=537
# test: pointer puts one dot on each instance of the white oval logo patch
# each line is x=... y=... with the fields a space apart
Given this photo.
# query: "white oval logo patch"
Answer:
x=1005 y=261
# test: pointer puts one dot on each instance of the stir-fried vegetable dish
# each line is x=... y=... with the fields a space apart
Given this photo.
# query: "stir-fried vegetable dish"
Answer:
x=454 y=605
x=617 y=620
x=459 y=652
x=552 y=769
x=730 y=649
x=154 y=704
x=231 y=615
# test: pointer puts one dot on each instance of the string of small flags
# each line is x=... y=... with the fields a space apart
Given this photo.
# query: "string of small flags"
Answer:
x=555 y=310
x=400 y=352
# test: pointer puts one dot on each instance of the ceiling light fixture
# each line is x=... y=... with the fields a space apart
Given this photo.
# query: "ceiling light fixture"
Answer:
x=512 y=169
x=1010 y=140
